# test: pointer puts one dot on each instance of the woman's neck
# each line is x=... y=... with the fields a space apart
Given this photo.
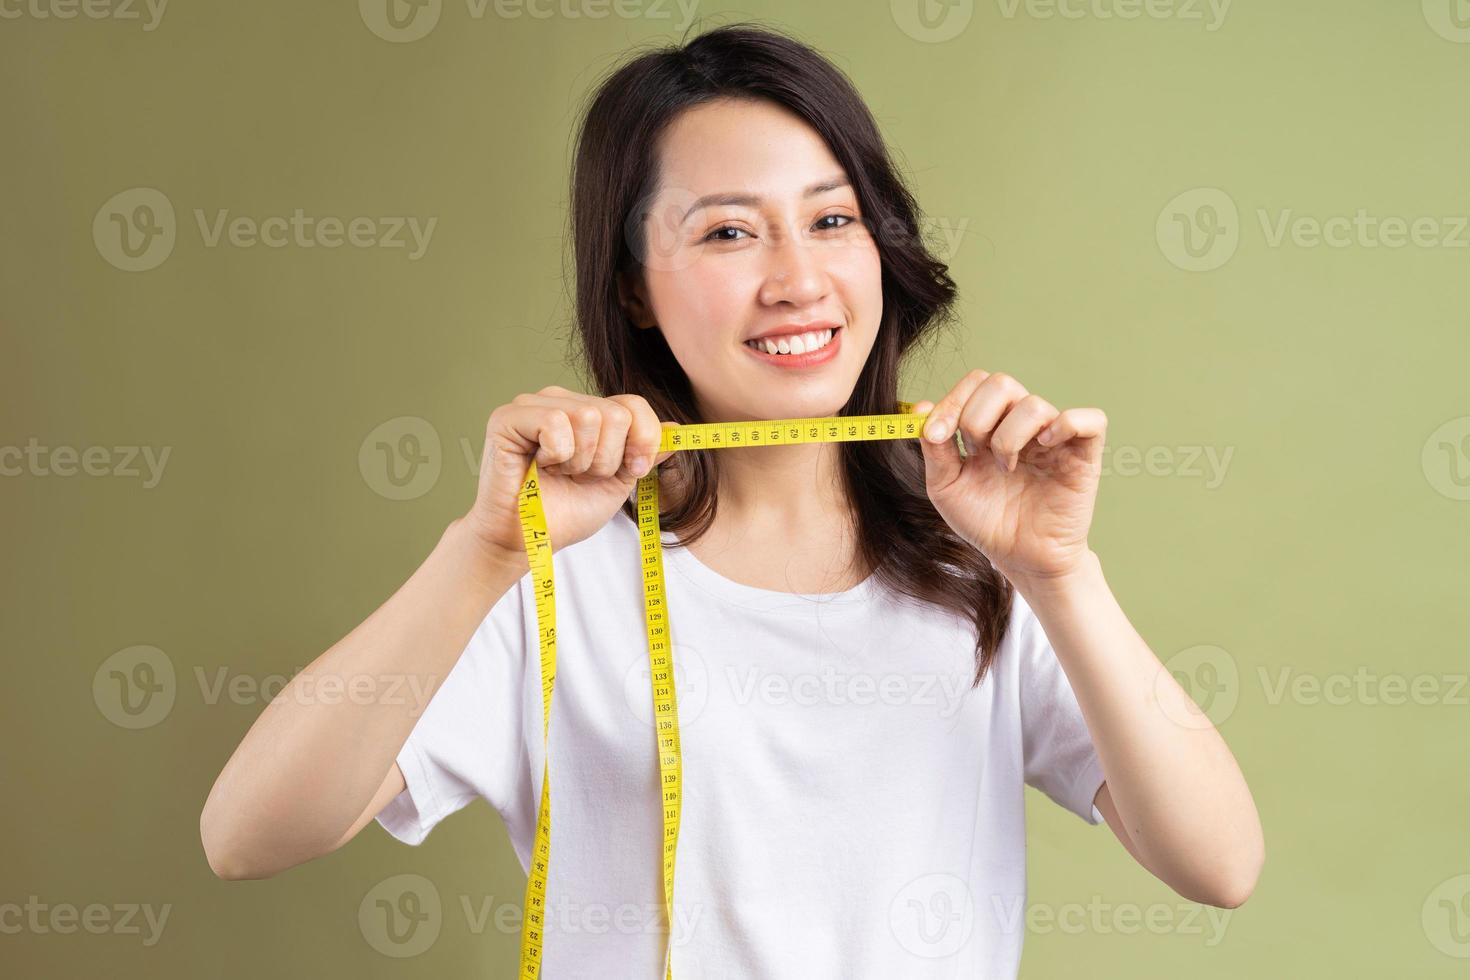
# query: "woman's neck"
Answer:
x=786 y=487
x=783 y=521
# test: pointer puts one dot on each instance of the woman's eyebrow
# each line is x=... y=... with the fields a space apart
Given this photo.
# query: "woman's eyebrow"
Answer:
x=754 y=200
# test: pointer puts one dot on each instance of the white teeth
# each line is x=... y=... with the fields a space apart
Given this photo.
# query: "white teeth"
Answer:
x=796 y=344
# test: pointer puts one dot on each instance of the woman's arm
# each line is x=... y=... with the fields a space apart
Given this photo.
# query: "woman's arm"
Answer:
x=317 y=766
x=1173 y=792
x=1023 y=493
x=319 y=762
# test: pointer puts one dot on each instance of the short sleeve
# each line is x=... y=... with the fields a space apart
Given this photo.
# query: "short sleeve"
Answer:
x=1060 y=758
x=469 y=742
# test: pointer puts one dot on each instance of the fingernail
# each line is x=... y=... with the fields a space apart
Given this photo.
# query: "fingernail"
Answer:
x=639 y=465
x=936 y=430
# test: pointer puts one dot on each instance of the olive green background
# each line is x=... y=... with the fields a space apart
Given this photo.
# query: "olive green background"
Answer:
x=1060 y=150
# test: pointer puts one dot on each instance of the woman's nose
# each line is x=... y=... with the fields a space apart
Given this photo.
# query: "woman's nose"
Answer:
x=795 y=273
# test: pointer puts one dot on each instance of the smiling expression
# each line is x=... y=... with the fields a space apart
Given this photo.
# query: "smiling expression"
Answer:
x=753 y=244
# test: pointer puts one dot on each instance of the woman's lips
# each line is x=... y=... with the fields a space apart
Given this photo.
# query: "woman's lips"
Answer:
x=810 y=359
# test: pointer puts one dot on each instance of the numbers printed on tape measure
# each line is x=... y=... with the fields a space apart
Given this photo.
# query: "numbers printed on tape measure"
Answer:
x=708 y=435
x=785 y=432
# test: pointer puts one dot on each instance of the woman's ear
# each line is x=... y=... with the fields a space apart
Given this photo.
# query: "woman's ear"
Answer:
x=633 y=297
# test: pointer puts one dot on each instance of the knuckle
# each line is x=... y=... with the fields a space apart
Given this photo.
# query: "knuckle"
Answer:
x=642 y=412
x=498 y=419
x=632 y=401
x=586 y=416
x=620 y=413
x=1037 y=405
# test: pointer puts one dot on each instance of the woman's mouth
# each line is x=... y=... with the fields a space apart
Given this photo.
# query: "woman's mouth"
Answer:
x=798 y=349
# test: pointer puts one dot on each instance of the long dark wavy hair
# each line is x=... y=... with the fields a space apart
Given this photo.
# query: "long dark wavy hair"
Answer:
x=900 y=536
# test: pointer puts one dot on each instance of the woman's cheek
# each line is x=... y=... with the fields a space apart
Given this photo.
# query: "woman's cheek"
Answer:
x=861 y=273
x=699 y=303
x=720 y=301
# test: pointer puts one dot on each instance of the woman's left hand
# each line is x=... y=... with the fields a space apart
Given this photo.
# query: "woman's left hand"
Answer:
x=1024 y=491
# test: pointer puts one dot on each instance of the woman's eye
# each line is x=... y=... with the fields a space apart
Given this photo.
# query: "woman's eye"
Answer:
x=711 y=236
x=720 y=233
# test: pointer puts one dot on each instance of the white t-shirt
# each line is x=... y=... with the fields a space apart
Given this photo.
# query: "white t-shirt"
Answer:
x=851 y=807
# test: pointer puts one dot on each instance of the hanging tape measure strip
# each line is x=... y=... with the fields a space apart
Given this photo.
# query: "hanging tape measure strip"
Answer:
x=705 y=435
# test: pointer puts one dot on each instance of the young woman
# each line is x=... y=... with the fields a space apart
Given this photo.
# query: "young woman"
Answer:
x=878 y=644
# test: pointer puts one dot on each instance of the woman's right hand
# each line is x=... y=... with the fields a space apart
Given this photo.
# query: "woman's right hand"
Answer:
x=589 y=454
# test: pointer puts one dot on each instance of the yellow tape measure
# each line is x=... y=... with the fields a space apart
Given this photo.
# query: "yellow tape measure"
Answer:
x=708 y=435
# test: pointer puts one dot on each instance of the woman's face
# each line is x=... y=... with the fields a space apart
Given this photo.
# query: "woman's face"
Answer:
x=754 y=232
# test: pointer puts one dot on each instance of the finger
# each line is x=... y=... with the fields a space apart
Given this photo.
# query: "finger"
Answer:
x=612 y=439
x=515 y=432
x=942 y=460
x=946 y=412
x=667 y=452
x=1074 y=424
x=657 y=459
x=986 y=407
x=1022 y=422
x=586 y=417
x=644 y=432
